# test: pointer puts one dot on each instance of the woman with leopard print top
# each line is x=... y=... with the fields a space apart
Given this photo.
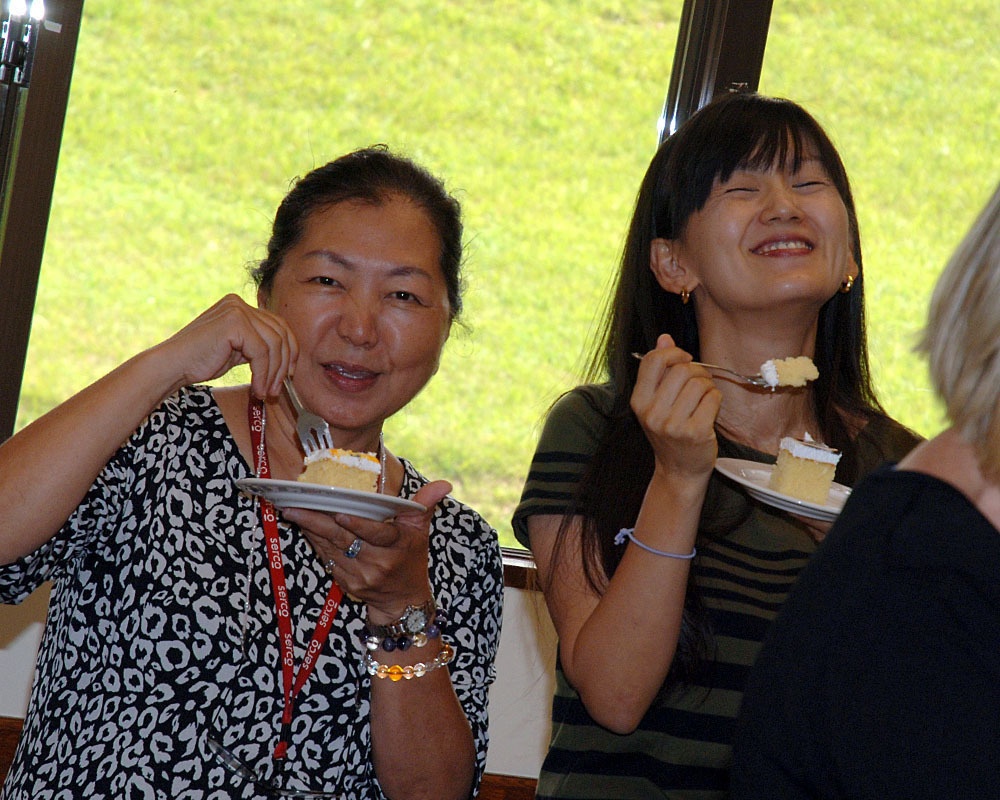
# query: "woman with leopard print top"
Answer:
x=200 y=644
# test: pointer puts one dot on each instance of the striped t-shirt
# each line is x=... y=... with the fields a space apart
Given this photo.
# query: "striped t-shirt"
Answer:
x=749 y=554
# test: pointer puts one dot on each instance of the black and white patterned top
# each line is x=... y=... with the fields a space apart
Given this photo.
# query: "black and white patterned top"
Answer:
x=161 y=632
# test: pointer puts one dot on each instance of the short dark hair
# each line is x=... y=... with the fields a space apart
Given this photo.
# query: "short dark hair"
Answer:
x=369 y=175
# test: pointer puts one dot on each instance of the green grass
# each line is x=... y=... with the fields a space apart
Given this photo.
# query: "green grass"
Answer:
x=185 y=125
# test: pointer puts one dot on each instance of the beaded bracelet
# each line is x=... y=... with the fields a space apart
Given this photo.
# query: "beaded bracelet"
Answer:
x=418 y=670
x=628 y=533
x=401 y=643
x=417 y=625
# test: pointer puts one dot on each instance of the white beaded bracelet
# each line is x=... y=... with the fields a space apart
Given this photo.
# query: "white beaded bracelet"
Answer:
x=418 y=670
x=628 y=533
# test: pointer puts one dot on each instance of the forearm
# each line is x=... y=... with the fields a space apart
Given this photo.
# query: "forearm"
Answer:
x=422 y=744
x=625 y=647
x=624 y=651
x=48 y=466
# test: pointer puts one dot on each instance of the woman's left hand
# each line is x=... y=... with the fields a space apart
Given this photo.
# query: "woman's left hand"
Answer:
x=389 y=571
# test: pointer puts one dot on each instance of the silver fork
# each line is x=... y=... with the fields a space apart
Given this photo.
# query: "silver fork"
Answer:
x=753 y=380
x=313 y=430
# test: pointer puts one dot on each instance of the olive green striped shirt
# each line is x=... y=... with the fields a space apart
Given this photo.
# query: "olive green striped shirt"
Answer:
x=749 y=554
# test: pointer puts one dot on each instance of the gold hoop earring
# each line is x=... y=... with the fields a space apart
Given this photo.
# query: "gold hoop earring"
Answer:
x=685 y=296
x=845 y=287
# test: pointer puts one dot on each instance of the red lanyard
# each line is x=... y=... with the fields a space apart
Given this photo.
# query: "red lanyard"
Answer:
x=272 y=544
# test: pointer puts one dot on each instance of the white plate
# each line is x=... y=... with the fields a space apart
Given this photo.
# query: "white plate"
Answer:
x=295 y=494
x=755 y=477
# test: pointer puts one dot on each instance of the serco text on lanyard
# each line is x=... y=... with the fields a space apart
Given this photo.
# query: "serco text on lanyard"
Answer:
x=291 y=681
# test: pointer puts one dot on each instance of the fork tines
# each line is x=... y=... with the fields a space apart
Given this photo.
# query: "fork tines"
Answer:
x=313 y=430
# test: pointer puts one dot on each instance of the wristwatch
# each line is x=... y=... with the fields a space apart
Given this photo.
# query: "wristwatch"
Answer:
x=413 y=620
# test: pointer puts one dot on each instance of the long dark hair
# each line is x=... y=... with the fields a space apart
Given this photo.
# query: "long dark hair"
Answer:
x=734 y=132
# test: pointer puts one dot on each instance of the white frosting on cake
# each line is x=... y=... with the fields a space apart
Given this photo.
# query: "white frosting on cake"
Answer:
x=769 y=372
x=808 y=448
x=364 y=461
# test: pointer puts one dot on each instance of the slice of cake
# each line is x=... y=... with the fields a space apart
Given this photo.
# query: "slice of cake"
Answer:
x=804 y=470
x=345 y=469
x=795 y=371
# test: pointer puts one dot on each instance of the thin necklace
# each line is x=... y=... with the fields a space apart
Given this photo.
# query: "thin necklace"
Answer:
x=381 y=464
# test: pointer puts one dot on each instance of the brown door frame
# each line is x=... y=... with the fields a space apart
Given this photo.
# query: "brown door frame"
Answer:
x=34 y=114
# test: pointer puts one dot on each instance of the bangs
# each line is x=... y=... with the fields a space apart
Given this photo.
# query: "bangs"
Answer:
x=771 y=135
x=739 y=131
x=781 y=149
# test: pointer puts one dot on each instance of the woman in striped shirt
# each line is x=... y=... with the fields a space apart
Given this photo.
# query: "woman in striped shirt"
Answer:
x=661 y=575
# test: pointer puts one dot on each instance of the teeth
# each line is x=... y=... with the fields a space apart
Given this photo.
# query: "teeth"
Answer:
x=786 y=245
x=359 y=375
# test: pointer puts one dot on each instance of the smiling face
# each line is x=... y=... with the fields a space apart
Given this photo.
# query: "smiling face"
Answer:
x=364 y=294
x=766 y=236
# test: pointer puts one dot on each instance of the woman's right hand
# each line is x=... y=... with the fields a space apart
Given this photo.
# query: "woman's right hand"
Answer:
x=677 y=402
x=48 y=466
x=229 y=333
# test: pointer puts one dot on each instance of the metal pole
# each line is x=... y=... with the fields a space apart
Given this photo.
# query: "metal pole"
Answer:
x=19 y=35
x=720 y=47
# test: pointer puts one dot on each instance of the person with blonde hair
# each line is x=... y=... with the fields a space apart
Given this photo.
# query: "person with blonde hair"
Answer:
x=880 y=677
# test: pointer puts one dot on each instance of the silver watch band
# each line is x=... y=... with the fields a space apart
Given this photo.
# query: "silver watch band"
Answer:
x=414 y=619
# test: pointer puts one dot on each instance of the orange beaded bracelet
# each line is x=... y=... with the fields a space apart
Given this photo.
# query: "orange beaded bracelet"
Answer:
x=410 y=671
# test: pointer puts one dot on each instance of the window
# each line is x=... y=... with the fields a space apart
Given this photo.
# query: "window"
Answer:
x=184 y=127
x=909 y=95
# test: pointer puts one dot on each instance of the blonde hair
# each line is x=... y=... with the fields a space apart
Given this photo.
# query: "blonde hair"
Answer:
x=962 y=337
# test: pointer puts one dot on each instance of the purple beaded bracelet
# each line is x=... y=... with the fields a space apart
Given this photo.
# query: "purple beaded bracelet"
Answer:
x=373 y=638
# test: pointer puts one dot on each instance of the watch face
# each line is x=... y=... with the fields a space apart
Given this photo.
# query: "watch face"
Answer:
x=415 y=620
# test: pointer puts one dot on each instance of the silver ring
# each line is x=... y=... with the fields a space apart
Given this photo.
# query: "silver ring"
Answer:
x=354 y=549
x=328 y=567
